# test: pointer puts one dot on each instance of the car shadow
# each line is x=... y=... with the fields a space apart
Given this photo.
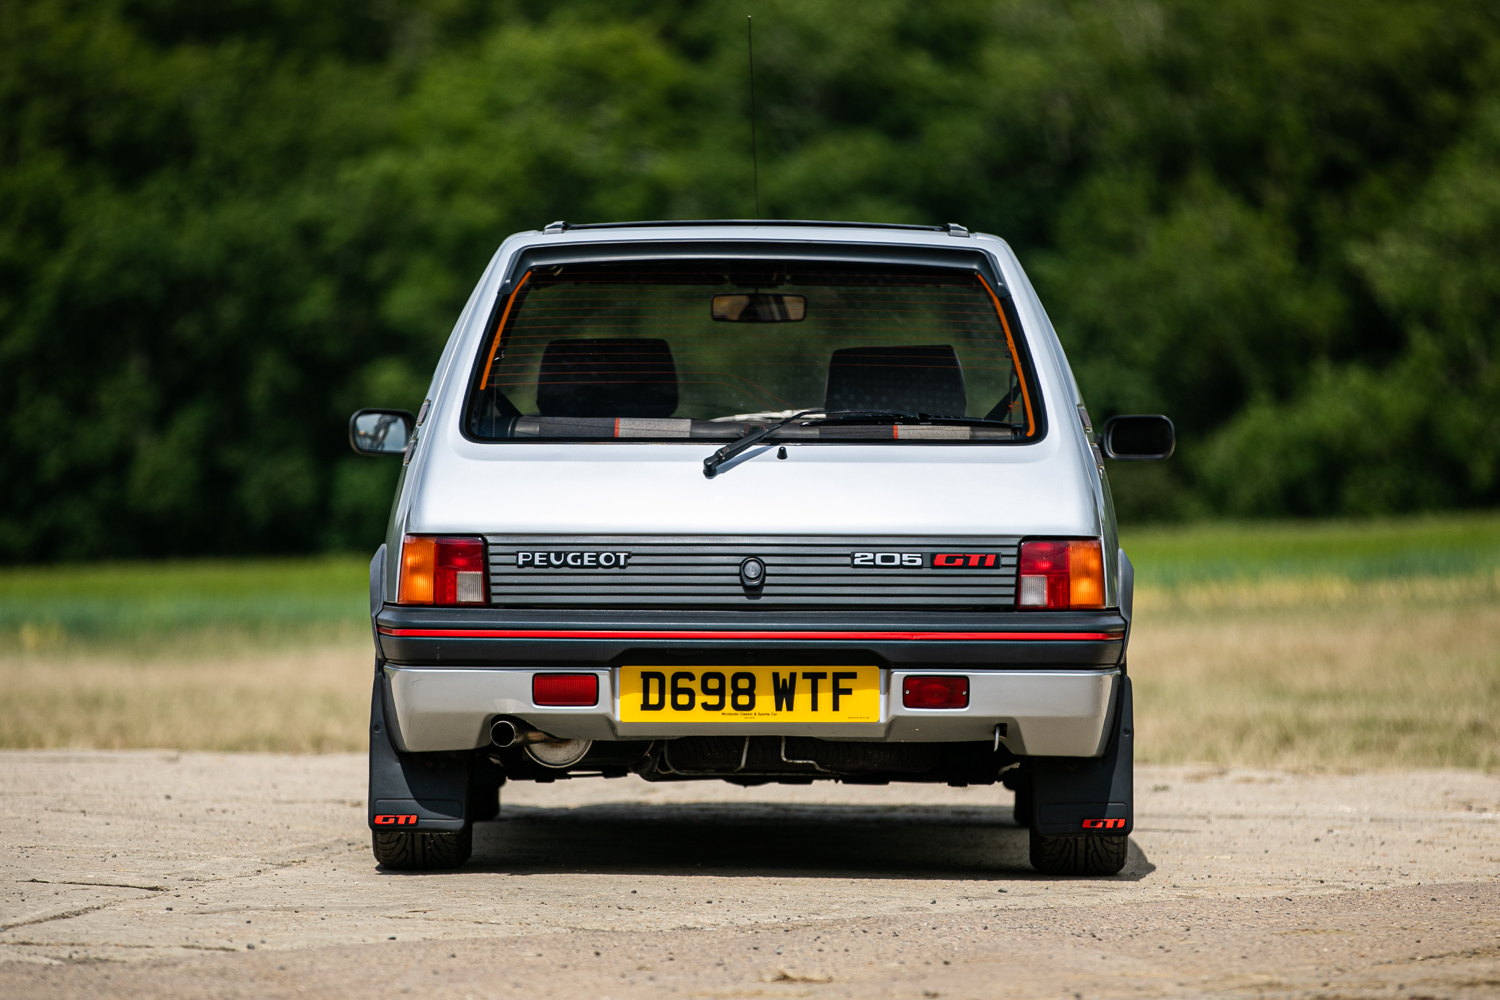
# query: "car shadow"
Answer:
x=766 y=839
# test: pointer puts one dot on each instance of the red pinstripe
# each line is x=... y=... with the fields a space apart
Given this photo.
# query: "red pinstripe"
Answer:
x=490 y=633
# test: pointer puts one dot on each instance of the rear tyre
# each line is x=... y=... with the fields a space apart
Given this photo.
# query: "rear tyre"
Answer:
x=1072 y=854
x=423 y=851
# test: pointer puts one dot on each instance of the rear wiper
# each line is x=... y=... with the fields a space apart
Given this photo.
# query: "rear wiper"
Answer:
x=711 y=463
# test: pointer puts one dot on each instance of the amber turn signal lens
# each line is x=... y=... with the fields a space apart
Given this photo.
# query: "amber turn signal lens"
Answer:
x=1085 y=574
x=418 y=558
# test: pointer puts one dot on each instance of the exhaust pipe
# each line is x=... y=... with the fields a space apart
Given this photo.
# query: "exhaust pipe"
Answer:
x=547 y=750
x=512 y=732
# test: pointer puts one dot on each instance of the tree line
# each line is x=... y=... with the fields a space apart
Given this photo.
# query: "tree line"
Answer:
x=225 y=226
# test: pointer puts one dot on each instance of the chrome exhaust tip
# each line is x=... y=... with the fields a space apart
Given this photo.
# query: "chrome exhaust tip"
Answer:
x=513 y=732
x=544 y=748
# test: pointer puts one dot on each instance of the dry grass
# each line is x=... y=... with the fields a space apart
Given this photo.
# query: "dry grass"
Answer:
x=1320 y=672
x=310 y=699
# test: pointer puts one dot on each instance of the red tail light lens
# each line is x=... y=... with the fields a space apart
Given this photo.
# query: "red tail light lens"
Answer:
x=1061 y=575
x=439 y=569
x=575 y=690
x=935 y=692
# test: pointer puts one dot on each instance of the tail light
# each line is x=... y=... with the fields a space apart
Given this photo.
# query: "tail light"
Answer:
x=935 y=692
x=1062 y=574
x=579 y=690
x=439 y=569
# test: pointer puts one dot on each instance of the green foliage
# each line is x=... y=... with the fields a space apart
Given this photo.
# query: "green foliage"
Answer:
x=223 y=227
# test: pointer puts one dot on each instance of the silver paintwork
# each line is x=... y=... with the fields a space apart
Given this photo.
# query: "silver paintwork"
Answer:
x=1054 y=487
x=1060 y=713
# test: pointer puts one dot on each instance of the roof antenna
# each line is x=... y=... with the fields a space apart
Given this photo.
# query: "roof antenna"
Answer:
x=754 y=159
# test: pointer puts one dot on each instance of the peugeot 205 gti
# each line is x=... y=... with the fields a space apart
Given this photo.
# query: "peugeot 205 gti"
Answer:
x=753 y=502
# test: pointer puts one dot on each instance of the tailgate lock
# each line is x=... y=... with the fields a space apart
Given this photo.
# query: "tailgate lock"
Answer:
x=752 y=573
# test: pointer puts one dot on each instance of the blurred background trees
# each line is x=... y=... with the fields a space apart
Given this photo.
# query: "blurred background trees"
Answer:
x=224 y=226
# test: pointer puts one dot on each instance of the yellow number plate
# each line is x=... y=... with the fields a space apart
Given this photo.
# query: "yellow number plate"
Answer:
x=750 y=694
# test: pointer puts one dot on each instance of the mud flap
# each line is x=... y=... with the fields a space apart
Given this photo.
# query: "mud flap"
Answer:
x=1089 y=795
x=414 y=791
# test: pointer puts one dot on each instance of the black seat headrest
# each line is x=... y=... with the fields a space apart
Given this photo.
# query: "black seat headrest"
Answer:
x=607 y=377
x=905 y=379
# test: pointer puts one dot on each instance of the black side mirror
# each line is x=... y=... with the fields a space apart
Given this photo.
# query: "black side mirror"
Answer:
x=1139 y=438
x=381 y=432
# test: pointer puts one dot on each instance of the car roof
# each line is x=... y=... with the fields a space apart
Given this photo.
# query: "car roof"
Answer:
x=788 y=230
x=561 y=226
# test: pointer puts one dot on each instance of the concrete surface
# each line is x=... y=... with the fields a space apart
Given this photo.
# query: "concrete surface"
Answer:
x=165 y=874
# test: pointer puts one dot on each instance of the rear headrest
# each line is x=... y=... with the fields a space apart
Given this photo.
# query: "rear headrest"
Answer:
x=909 y=379
x=607 y=377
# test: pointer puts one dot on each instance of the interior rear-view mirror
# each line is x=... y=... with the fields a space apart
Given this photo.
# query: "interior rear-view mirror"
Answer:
x=1139 y=437
x=380 y=432
x=762 y=307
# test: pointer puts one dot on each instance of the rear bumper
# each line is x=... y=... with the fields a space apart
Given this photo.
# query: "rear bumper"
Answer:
x=1045 y=712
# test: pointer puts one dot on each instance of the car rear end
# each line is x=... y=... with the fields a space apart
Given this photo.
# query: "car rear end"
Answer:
x=898 y=564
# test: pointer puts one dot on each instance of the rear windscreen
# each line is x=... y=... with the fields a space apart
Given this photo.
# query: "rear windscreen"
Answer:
x=713 y=349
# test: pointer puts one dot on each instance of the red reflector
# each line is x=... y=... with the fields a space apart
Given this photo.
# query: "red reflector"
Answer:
x=577 y=690
x=935 y=692
x=1104 y=824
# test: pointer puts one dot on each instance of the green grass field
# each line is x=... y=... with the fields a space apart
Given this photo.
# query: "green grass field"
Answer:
x=1321 y=645
x=147 y=604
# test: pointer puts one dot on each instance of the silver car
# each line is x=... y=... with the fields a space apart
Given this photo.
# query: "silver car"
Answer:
x=753 y=502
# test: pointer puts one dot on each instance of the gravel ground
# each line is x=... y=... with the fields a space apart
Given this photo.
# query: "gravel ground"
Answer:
x=162 y=874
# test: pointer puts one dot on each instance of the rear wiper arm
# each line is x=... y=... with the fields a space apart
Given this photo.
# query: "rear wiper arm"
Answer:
x=711 y=463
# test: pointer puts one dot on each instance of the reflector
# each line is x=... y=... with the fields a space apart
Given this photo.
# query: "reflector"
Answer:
x=935 y=692
x=561 y=690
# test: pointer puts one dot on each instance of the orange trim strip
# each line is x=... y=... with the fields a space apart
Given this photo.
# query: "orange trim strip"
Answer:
x=1015 y=358
x=495 y=345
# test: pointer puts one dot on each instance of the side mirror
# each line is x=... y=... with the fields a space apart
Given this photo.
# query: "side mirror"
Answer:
x=381 y=432
x=1139 y=438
